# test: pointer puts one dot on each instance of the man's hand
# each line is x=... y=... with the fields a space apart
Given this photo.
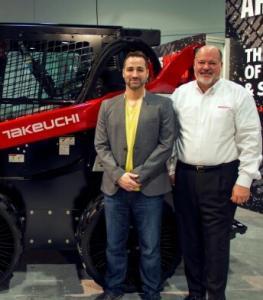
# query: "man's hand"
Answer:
x=240 y=194
x=128 y=181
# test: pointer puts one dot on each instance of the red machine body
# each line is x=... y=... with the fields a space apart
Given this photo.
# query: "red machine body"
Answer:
x=79 y=117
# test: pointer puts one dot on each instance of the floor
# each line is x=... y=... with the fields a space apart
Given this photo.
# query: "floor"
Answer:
x=52 y=276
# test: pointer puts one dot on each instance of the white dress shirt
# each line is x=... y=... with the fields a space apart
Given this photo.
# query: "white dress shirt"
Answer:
x=219 y=126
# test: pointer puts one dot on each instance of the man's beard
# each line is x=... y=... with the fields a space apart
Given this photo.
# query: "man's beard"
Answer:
x=139 y=84
x=206 y=81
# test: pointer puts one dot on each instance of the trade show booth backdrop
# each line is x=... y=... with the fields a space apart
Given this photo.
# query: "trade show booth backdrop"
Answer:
x=244 y=28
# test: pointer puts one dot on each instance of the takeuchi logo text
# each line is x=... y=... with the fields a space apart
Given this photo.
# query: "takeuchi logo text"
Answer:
x=41 y=126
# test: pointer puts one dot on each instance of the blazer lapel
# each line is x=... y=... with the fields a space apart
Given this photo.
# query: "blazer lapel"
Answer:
x=120 y=114
x=143 y=113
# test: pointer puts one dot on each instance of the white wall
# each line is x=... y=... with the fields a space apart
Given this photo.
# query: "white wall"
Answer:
x=175 y=18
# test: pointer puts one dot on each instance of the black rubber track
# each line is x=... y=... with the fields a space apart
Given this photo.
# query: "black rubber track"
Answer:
x=10 y=238
x=91 y=237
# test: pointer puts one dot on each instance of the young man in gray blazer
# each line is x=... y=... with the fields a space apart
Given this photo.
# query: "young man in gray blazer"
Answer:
x=134 y=139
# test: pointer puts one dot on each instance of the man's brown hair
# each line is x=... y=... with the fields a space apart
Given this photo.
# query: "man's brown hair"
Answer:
x=137 y=54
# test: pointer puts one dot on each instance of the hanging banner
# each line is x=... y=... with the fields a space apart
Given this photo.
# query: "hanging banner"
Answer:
x=244 y=27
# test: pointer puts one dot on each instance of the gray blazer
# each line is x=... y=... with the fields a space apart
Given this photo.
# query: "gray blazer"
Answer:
x=153 y=143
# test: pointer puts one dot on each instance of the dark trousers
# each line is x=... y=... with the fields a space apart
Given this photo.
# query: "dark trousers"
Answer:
x=147 y=213
x=205 y=213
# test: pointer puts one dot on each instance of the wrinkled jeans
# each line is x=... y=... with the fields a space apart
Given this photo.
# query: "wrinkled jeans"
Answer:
x=146 y=213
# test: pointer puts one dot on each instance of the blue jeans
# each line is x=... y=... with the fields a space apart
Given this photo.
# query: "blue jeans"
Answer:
x=146 y=213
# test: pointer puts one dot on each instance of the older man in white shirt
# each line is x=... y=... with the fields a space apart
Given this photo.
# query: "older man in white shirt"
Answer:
x=218 y=155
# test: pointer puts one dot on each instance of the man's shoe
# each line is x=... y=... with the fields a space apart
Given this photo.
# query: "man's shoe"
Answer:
x=108 y=296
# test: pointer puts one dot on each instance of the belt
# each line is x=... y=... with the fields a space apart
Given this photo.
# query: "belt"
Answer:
x=198 y=168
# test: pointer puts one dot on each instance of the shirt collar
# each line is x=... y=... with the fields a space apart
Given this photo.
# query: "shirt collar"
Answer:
x=142 y=97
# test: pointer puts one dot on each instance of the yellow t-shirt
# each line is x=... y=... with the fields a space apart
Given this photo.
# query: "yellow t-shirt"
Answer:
x=132 y=113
